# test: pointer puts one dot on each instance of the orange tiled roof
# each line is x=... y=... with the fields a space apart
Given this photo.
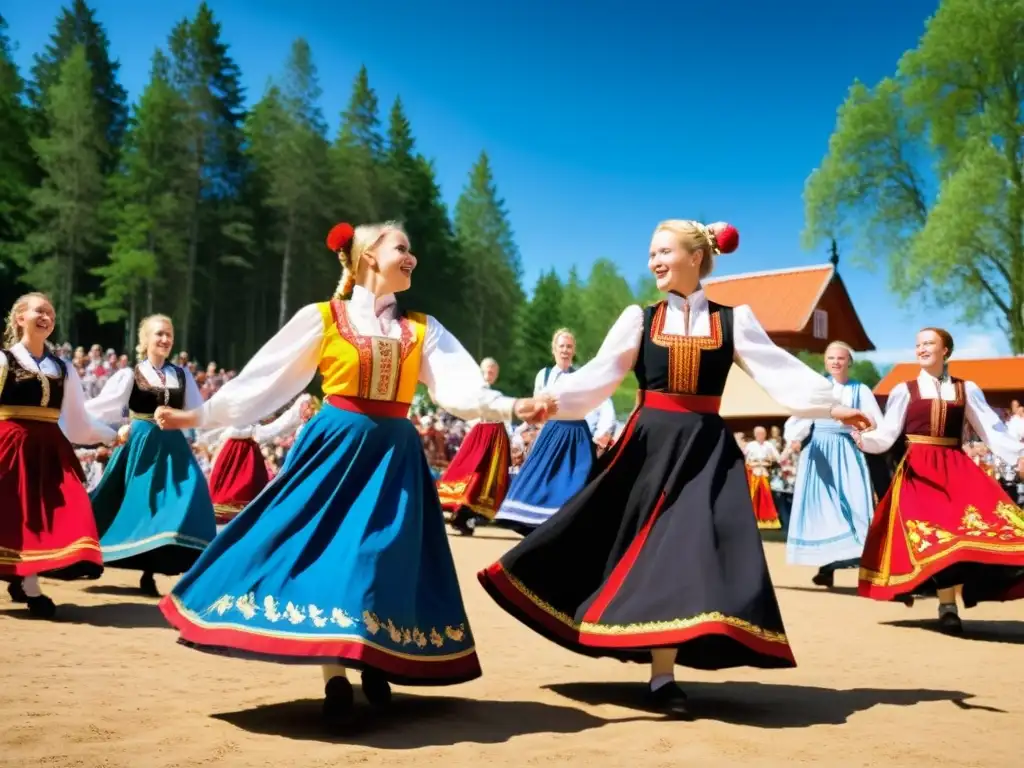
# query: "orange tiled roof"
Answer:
x=782 y=299
x=995 y=374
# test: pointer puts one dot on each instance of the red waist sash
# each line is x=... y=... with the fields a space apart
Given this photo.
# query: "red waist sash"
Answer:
x=380 y=408
x=668 y=401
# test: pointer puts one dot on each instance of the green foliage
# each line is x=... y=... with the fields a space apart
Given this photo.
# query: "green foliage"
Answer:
x=18 y=170
x=951 y=113
x=864 y=371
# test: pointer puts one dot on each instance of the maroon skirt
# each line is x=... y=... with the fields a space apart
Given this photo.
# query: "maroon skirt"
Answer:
x=239 y=475
x=46 y=523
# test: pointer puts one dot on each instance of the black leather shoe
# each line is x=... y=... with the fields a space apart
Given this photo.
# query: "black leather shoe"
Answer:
x=147 y=584
x=376 y=689
x=17 y=592
x=950 y=624
x=671 y=700
x=338 y=702
x=825 y=579
x=41 y=607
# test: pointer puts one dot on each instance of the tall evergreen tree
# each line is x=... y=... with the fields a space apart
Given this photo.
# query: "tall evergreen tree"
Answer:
x=286 y=140
x=218 y=231
x=76 y=26
x=18 y=171
x=357 y=155
x=606 y=294
x=491 y=264
x=148 y=236
x=543 y=315
x=66 y=207
x=573 y=302
x=410 y=194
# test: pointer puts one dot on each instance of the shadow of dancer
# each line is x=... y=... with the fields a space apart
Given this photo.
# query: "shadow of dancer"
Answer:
x=762 y=705
x=414 y=721
x=114 y=615
x=1008 y=632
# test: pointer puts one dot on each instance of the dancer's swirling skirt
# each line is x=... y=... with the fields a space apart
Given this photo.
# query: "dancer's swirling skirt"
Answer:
x=477 y=478
x=238 y=476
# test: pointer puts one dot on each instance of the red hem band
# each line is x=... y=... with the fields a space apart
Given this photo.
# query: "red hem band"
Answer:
x=37 y=567
x=461 y=669
x=885 y=592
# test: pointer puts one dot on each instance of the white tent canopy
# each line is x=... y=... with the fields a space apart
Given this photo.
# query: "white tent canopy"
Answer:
x=744 y=398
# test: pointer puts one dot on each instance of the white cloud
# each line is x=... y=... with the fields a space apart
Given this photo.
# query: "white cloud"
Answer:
x=973 y=347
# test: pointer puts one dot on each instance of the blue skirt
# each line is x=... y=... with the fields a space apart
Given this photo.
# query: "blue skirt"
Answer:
x=832 y=502
x=556 y=469
x=152 y=505
x=342 y=559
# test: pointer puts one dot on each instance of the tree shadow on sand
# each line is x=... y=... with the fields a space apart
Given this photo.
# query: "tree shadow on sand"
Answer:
x=415 y=721
x=767 y=706
x=114 y=615
x=1008 y=632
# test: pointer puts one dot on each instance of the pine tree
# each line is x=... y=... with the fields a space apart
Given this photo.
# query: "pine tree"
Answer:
x=606 y=294
x=217 y=225
x=357 y=155
x=410 y=194
x=18 y=171
x=76 y=26
x=66 y=207
x=286 y=139
x=491 y=264
x=543 y=315
x=148 y=235
x=573 y=300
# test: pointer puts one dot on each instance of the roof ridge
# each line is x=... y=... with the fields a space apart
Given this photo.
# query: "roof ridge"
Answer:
x=769 y=273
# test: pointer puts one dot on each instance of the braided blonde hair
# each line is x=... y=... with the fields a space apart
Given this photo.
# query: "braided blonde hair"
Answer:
x=11 y=333
x=143 y=345
x=366 y=238
x=694 y=236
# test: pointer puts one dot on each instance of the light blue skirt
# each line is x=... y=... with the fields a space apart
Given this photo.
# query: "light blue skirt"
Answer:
x=152 y=505
x=555 y=470
x=832 y=502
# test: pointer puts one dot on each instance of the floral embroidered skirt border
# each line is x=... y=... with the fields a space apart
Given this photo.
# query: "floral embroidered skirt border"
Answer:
x=943 y=523
x=638 y=559
x=46 y=522
x=343 y=559
x=478 y=476
x=238 y=476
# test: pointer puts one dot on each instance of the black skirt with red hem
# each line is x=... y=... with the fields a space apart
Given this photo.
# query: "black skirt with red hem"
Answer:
x=660 y=549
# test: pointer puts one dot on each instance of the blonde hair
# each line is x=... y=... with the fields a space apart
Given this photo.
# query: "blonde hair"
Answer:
x=143 y=345
x=841 y=345
x=561 y=332
x=693 y=236
x=365 y=239
x=11 y=334
x=488 y=361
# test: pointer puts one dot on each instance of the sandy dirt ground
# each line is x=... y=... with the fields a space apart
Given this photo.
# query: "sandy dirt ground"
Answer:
x=108 y=687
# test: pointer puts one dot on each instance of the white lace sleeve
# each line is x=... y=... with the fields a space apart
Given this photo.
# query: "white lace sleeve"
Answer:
x=76 y=422
x=990 y=427
x=108 y=406
x=881 y=438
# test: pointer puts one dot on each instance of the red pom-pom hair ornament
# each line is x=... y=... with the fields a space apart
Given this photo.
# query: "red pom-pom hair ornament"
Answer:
x=340 y=237
x=727 y=237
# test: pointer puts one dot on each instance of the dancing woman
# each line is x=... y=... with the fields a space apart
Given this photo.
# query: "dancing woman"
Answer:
x=761 y=455
x=474 y=484
x=658 y=559
x=943 y=523
x=46 y=525
x=152 y=506
x=561 y=458
x=343 y=560
x=833 y=499
x=239 y=472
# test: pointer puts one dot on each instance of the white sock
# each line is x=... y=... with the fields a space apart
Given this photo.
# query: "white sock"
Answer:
x=945 y=608
x=660 y=681
x=31 y=586
x=332 y=671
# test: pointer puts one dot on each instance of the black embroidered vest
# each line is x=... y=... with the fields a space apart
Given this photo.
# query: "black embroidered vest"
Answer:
x=146 y=398
x=685 y=365
x=22 y=387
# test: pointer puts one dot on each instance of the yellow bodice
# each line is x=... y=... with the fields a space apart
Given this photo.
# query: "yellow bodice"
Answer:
x=370 y=367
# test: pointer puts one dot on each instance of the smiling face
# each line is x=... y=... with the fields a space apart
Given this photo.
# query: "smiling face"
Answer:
x=837 y=362
x=489 y=369
x=393 y=260
x=671 y=263
x=564 y=349
x=35 y=320
x=159 y=339
x=931 y=349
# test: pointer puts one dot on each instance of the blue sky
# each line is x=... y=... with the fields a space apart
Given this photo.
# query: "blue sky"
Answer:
x=601 y=118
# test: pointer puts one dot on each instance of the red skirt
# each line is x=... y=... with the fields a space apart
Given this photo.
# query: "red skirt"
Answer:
x=46 y=523
x=765 y=513
x=944 y=521
x=478 y=475
x=239 y=475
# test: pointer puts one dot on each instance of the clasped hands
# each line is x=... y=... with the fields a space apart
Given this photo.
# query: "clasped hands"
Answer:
x=172 y=418
x=535 y=410
x=851 y=417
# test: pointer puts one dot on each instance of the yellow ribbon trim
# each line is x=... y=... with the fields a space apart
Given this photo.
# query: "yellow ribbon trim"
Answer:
x=945 y=442
x=29 y=413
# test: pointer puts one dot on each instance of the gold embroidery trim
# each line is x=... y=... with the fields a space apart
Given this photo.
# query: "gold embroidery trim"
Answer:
x=684 y=352
x=946 y=442
x=29 y=413
x=320 y=618
x=385 y=368
x=646 y=627
x=365 y=348
x=8 y=555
